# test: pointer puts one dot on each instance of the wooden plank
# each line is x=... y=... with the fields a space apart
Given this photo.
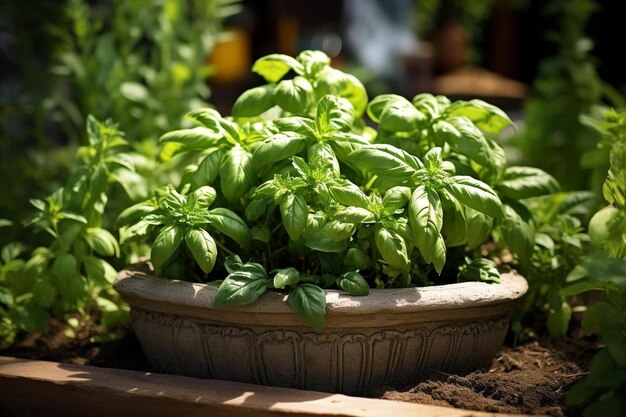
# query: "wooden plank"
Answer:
x=38 y=388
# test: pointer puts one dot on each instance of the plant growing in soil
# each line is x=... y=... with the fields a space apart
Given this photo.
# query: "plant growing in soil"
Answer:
x=602 y=391
x=295 y=192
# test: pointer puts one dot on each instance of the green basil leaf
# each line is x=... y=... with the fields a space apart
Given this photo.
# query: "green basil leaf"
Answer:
x=354 y=91
x=285 y=277
x=240 y=288
x=384 y=162
x=37 y=264
x=396 y=198
x=309 y=302
x=399 y=115
x=378 y=104
x=38 y=204
x=32 y=318
x=134 y=184
x=261 y=233
x=10 y=252
x=208 y=169
x=454 y=228
x=465 y=138
x=133 y=213
x=254 y=101
x=349 y=195
x=479 y=227
x=475 y=194
x=433 y=160
x=230 y=224
x=205 y=117
x=331 y=81
x=392 y=248
x=134 y=232
x=121 y=160
x=236 y=173
x=356 y=215
x=276 y=66
x=581 y=288
x=44 y=293
x=343 y=143
x=278 y=147
x=525 y=182
x=202 y=247
x=353 y=283
x=73 y=290
x=301 y=125
x=198 y=138
x=313 y=62
x=325 y=281
x=332 y=263
x=230 y=131
x=481 y=270
x=426 y=220
x=430 y=105
x=76 y=189
x=439 y=255
x=134 y=91
x=102 y=241
x=6 y=298
x=256 y=208
x=233 y=263
x=64 y=265
x=485 y=116
x=204 y=196
x=321 y=153
x=294 y=211
x=295 y=95
x=518 y=231
x=606 y=229
x=324 y=236
x=165 y=244
x=69 y=231
x=356 y=259
x=98 y=270
x=493 y=173
x=334 y=113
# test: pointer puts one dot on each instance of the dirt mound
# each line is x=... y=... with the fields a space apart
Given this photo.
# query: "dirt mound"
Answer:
x=529 y=379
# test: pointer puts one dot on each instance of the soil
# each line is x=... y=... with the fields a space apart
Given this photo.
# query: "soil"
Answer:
x=531 y=378
x=528 y=379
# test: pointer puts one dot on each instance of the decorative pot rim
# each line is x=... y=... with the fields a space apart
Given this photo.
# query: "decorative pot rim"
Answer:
x=465 y=300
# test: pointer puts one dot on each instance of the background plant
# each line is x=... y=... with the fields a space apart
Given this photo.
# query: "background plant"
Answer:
x=566 y=87
x=72 y=274
x=141 y=63
x=603 y=390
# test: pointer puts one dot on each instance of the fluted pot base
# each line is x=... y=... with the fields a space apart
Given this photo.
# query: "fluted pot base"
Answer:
x=386 y=338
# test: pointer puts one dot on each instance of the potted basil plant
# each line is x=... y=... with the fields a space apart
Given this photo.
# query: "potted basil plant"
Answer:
x=304 y=248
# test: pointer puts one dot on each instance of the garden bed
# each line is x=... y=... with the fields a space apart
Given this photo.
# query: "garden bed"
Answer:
x=529 y=379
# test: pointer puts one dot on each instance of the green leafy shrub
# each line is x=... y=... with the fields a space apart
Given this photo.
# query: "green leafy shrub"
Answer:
x=141 y=63
x=72 y=273
x=297 y=185
x=603 y=390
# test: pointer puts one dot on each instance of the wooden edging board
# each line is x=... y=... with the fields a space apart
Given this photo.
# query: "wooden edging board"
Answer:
x=38 y=388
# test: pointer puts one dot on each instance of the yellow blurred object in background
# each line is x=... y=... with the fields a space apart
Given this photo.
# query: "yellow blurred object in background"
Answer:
x=231 y=57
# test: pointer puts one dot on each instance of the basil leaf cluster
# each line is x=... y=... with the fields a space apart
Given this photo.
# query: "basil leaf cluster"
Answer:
x=298 y=183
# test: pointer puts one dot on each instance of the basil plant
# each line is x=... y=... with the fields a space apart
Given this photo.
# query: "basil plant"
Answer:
x=297 y=192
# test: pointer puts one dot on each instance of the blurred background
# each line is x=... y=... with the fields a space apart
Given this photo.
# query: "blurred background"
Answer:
x=145 y=63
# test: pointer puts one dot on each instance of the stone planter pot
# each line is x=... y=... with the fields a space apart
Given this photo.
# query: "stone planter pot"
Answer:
x=388 y=337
